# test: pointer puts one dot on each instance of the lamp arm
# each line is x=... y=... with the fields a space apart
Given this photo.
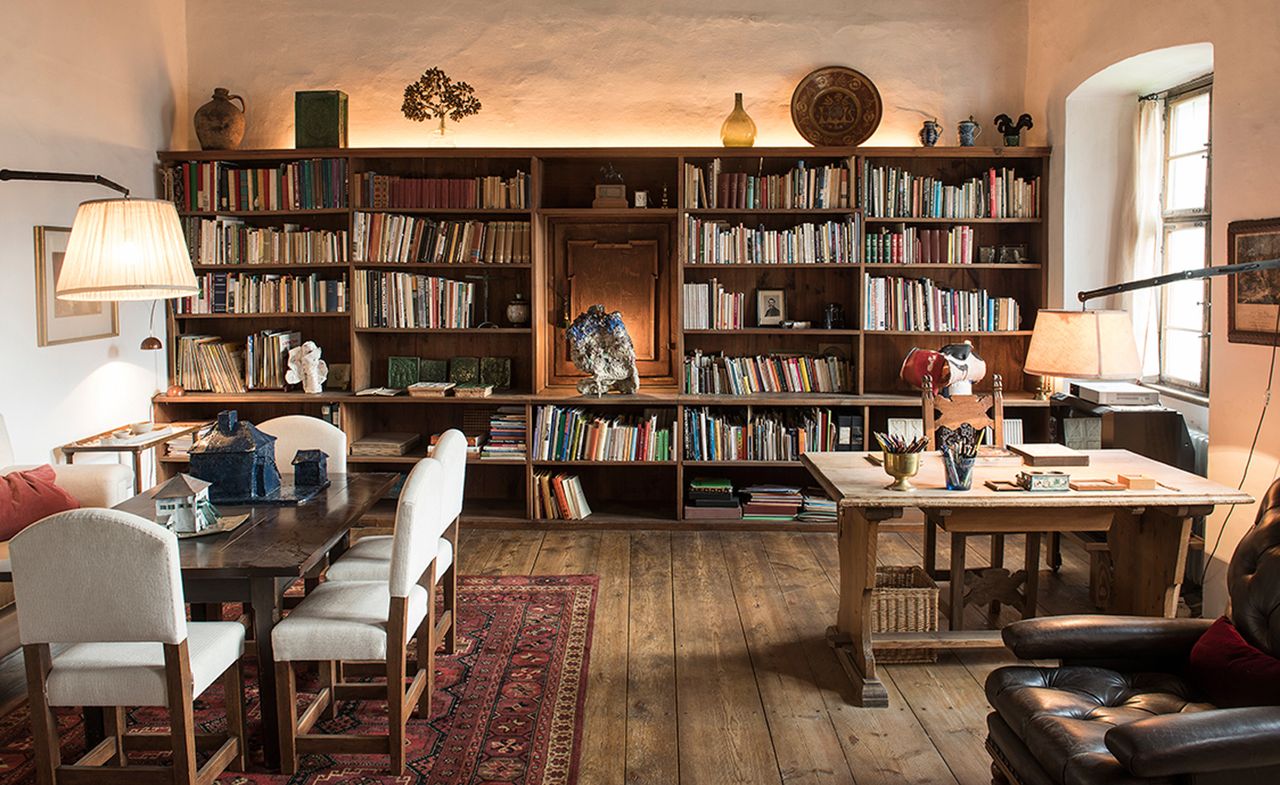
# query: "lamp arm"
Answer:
x=62 y=177
x=1185 y=275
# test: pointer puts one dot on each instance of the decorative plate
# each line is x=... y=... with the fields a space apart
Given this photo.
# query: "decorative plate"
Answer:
x=836 y=106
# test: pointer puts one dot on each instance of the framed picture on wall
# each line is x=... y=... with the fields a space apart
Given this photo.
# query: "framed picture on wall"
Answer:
x=771 y=307
x=65 y=321
x=1253 y=307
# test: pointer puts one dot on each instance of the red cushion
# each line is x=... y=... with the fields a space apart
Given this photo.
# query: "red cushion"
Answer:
x=1231 y=672
x=27 y=496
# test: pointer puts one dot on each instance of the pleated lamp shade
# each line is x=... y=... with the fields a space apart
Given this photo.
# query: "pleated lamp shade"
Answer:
x=126 y=249
x=1084 y=345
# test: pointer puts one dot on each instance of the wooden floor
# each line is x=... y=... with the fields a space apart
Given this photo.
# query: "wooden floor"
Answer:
x=709 y=664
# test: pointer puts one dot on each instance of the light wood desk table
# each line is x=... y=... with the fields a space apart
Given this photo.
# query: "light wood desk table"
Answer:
x=1147 y=535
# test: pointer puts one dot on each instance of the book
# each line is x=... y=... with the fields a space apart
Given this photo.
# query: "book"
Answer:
x=1049 y=454
x=728 y=513
x=491 y=192
x=803 y=187
x=559 y=497
x=912 y=245
x=472 y=391
x=229 y=241
x=716 y=242
x=411 y=301
x=771 y=502
x=709 y=306
x=430 y=389
x=920 y=304
x=762 y=435
x=564 y=433
x=385 y=444
x=209 y=186
x=386 y=392
x=894 y=192
x=718 y=374
x=388 y=238
x=264 y=293
x=507 y=433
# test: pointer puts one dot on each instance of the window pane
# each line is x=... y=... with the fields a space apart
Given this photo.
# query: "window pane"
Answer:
x=1184 y=183
x=1182 y=356
x=1184 y=305
x=1184 y=249
x=1189 y=124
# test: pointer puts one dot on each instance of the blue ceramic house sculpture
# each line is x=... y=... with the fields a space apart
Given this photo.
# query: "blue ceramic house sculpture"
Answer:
x=238 y=459
x=310 y=468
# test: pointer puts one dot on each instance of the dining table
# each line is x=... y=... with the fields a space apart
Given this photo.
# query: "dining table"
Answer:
x=255 y=564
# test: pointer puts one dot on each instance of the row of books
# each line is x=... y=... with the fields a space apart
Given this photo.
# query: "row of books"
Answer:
x=716 y=499
x=507 y=428
x=717 y=242
x=312 y=184
x=225 y=240
x=210 y=363
x=385 y=237
x=564 y=433
x=770 y=502
x=266 y=358
x=765 y=435
x=919 y=304
x=893 y=192
x=911 y=245
x=448 y=193
x=710 y=306
x=803 y=188
x=559 y=497
x=715 y=374
x=247 y=293
x=409 y=301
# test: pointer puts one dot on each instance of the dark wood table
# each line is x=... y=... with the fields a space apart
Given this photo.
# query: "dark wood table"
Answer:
x=257 y=561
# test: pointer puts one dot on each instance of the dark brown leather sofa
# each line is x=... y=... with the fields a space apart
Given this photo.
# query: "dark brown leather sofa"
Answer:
x=1118 y=712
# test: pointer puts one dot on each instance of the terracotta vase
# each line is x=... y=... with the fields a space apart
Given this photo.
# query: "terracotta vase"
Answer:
x=220 y=123
x=739 y=130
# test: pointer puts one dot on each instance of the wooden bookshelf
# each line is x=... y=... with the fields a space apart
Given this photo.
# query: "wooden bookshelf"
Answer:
x=648 y=494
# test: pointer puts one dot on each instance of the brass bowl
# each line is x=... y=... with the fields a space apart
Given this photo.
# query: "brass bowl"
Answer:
x=901 y=466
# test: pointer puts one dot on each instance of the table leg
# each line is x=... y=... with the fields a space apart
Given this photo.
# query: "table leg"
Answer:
x=851 y=635
x=1149 y=551
x=959 y=541
x=265 y=603
x=95 y=725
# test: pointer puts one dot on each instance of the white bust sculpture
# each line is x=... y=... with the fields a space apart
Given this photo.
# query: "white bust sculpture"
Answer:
x=306 y=367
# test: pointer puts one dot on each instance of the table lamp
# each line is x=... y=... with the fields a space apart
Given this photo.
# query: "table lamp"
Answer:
x=1082 y=345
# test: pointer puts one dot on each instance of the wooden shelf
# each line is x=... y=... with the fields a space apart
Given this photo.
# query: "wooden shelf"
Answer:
x=944 y=266
x=441 y=265
x=741 y=464
x=808 y=332
x=766 y=266
x=264 y=316
x=273 y=266
x=446 y=330
x=263 y=213
x=714 y=211
x=609 y=212
x=462 y=211
x=540 y=462
x=983 y=333
x=952 y=220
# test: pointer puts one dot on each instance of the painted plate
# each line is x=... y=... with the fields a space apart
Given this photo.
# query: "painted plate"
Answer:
x=836 y=106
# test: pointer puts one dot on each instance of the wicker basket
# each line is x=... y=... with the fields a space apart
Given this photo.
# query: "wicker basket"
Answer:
x=905 y=600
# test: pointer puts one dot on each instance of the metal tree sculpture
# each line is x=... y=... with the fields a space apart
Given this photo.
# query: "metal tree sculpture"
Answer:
x=436 y=96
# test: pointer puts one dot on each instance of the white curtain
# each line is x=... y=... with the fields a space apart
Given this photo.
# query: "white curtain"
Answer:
x=1147 y=229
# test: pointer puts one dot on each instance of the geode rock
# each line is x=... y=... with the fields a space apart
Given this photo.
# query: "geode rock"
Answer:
x=600 y=345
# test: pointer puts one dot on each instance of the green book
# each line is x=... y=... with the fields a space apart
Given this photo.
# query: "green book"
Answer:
x=464 y=370
x=496 y=371
x=434 y=371
x=402 y=372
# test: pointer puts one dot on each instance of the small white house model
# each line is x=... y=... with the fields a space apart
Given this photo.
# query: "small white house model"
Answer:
x=182 y=504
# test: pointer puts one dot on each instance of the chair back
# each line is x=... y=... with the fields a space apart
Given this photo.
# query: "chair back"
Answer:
x=95 y=575
x=418 y=526
x=1253 y=579
x=295 y=432
x=451 y=452
x=946 y=416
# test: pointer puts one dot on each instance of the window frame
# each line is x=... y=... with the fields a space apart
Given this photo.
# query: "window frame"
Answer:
x=1172 y=220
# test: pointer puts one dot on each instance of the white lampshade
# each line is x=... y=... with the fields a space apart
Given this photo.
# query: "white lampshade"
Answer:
x=1083 y=345
x=126 y=249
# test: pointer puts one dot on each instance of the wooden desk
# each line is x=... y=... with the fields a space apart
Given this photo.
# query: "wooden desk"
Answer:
x=164 y=433
x=1147 y=533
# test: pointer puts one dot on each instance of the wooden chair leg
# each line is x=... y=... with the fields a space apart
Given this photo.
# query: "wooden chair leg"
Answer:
x=328 y=678
x=957 y=580
x=182 y=722
x=1031 y=589
x=397 y=665
x=997 y=562
x=1054 y=548
x=287 y=711
x=117 y=725
x=44 y=726
x=426 y=656
x=233 y=695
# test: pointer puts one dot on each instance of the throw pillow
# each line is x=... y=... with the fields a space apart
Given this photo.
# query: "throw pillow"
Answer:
x=27 y=496
x=1231 y=672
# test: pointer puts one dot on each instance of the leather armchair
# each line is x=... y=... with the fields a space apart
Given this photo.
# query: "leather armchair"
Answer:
x=1117 y=710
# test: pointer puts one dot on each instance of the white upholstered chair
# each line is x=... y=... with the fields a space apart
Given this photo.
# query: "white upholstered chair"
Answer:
x=295 y=432
x=368 y=621
x=370 y=558
x=92 y=484
x=108 y=583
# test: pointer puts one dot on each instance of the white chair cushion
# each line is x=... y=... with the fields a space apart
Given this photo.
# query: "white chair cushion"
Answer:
x=370 y=560
x=132 y=674
x=343 y=620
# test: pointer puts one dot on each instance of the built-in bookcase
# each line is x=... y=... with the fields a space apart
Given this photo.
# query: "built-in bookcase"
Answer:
x=542 y=187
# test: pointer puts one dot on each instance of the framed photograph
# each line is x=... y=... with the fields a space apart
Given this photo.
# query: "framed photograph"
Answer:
x=65 y=321
x=771 y=307
x=1253 y=299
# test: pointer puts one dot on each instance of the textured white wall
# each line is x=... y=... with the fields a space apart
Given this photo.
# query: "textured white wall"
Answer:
x=606 y=73
x=82 y=91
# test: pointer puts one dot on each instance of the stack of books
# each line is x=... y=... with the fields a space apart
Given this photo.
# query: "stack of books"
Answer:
x=559 y=497
x=409 y=301
x=507 y=427
x=461 y=193
x=709 y=306
x=384 y=445
x=266 y=357
x=474 y=443
x=383 y=238
x=570 y=434
x=919 y=304
x=817 y=508
x=715 y=242
x=910 y=245
x=711 y=499
x=315 y=184
x=774 y=373
x=209 y=363
x=225 y=240
x=892 y=192
x=802 y=188
x=771 y=503
x=258 y=293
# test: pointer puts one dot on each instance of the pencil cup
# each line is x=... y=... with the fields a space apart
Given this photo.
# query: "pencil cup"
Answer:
x=901 y=466
x=959 y=472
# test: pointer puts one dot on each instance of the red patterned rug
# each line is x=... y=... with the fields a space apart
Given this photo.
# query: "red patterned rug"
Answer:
x=507 y=708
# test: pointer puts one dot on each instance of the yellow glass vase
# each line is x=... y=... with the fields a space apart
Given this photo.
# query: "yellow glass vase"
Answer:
x=739 y=130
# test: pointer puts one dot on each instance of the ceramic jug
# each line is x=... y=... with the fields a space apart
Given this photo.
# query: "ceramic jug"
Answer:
x=220 y=123
x=930 y=132
x=969 y=131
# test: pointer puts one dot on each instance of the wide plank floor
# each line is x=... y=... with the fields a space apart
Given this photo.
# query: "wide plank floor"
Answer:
x=709 y=664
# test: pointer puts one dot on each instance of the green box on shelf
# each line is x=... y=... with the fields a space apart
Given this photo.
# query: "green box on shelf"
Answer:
x=434 y=371
x=402 y=372
x=464 y=370
x=319 y=118
x=496 y=371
